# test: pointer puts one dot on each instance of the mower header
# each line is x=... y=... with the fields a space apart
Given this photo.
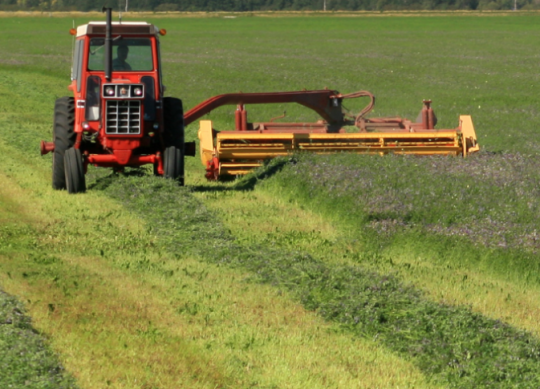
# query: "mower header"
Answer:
x=239 y=151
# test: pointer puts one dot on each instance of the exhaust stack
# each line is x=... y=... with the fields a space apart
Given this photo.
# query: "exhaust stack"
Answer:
x=108 y=44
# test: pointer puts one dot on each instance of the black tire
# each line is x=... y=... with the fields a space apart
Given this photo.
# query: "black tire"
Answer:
x=173 y=136
x=63 y=138
x=173 y=164
x=74 y=171
x=173 y=118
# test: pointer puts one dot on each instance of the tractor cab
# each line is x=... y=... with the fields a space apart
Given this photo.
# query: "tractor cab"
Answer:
x=133 y=85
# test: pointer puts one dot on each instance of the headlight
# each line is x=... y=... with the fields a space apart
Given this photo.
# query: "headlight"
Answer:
x=137 y=91
x=109 y=91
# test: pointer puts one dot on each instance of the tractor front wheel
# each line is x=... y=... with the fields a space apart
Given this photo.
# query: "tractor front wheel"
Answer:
x=174 y=139
x=63 y=137
x=74 y=171
x=173 y=164
x=173 y=112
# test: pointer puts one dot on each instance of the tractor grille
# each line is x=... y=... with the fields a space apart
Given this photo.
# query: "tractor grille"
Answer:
x=123 y=117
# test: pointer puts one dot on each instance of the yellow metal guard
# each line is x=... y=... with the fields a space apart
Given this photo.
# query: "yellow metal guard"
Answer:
x=238 y=152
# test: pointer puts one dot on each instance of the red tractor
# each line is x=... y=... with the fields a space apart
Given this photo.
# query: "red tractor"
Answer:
x=118 y=116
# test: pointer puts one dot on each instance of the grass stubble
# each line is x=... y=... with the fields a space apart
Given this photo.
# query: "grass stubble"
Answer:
x=77 y=233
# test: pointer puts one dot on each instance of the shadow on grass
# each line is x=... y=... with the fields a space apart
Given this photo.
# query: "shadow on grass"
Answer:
x=104 y=179
x=245 y=183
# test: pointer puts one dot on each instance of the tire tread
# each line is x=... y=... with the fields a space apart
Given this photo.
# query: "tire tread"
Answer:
x=63 y=138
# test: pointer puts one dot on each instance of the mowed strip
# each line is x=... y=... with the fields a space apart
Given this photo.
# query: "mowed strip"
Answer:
x=263 y=216
x=123 y=312
x=106 y=326
x=479 y=351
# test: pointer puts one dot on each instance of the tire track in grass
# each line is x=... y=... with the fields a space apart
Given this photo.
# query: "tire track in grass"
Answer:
x=103 y=316
x=451 y=345
x=109 y=327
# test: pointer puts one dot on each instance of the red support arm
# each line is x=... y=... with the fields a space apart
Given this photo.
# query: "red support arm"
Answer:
x=326 y=103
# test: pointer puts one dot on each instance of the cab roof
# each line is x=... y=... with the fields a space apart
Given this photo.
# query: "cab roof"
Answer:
x=125 y=28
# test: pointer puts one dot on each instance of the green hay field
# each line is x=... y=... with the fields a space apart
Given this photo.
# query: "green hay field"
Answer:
x=323 y=272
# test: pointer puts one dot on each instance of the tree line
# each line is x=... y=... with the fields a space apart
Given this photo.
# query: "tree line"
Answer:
x=265 y=5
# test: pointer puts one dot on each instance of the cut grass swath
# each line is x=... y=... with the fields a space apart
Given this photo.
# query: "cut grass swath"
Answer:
x=267 y=215
x=450 y=344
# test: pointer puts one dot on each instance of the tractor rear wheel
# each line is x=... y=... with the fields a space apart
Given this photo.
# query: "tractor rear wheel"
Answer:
x=173 y=164
x=74 y=171
x=63 y=137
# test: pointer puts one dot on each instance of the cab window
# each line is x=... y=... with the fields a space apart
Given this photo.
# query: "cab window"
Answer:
x=77 y=63
x=128 y=54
